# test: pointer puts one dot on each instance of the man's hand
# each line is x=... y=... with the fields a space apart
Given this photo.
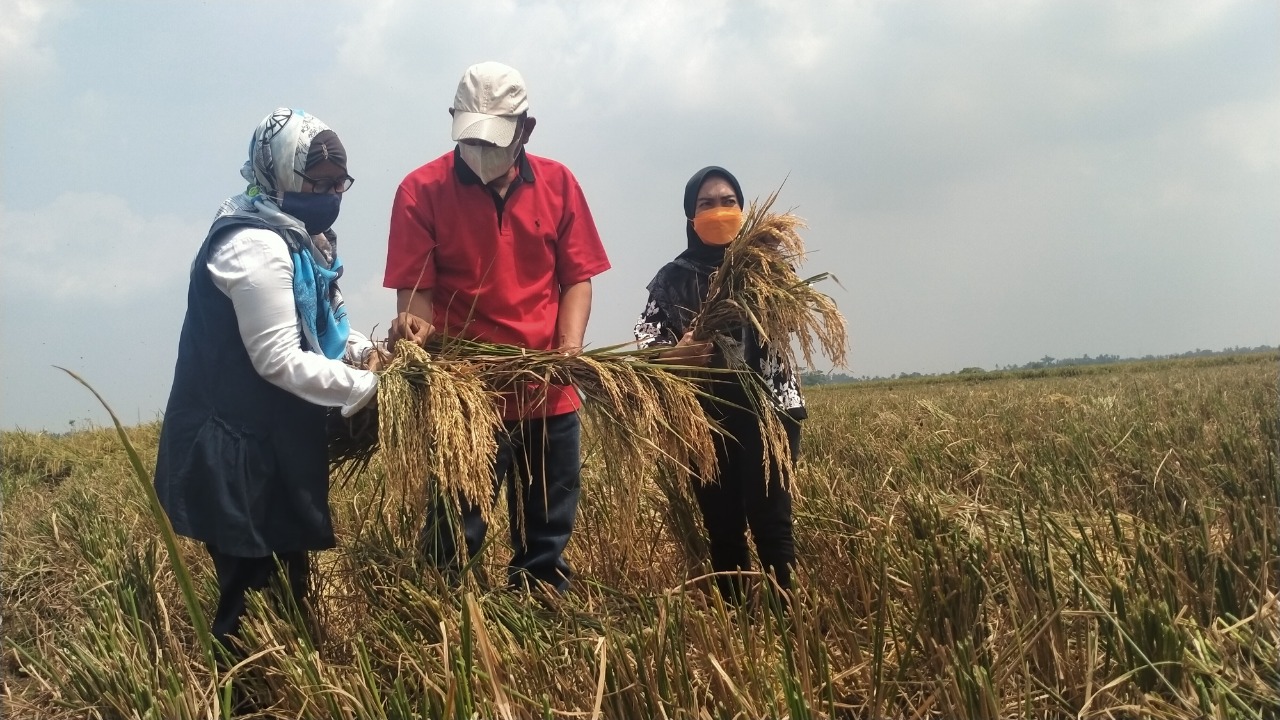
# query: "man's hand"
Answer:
x=408 y=326
x=689 y=352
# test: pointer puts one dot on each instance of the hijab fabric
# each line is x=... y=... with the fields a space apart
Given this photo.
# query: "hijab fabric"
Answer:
x=278 y=151
x=681 y=285
x=705 y=257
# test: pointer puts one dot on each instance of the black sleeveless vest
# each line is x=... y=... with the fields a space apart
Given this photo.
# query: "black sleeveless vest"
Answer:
x=242 y=464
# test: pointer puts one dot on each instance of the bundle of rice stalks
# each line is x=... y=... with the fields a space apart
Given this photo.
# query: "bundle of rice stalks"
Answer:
x=437 y=420
x=438 y=413
x=644 y=411
x=757 y=286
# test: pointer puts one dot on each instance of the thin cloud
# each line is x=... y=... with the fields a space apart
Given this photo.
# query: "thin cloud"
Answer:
x=1247 y=131
x=25 y=54
x=93 y=246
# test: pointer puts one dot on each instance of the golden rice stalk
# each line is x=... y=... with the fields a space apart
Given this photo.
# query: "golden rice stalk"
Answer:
x=642 y=412
x=757 y=285
x=438 y=415
x=437 y=421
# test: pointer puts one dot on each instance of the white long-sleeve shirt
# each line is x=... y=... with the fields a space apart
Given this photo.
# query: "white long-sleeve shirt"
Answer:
x=252 y=267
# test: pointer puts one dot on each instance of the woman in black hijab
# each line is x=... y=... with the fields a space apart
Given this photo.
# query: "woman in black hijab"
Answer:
x=750 y=492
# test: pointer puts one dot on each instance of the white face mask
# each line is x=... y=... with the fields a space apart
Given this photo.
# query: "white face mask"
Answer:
x=489 y=162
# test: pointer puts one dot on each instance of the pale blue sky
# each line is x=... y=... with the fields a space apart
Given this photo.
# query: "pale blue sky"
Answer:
x=991 y=181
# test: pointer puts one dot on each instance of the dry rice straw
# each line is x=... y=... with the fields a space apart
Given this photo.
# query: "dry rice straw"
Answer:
x=438 y=415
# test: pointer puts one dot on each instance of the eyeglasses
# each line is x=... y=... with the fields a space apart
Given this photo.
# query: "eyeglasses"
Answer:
x=321 y=186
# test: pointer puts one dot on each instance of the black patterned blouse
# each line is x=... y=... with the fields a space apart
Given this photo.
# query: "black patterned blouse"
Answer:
x=665 y=320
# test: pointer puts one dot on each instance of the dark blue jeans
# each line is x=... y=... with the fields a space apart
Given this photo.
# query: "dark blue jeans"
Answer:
x=540 y=459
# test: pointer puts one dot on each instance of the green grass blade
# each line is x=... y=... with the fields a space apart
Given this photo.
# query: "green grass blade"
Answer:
x=194 y=611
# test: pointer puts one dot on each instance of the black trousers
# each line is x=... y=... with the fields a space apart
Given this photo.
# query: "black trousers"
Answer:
x=750 y=494
x=238 y=575
x=541 y=460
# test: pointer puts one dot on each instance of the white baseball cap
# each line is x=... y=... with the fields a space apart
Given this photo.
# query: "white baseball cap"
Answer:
x=490 y=99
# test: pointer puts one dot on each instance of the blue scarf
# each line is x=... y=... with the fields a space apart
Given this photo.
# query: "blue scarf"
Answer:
x=321 y=310
x=315 y=289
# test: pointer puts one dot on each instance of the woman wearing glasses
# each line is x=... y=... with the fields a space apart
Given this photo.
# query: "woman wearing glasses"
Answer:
x=265 y=350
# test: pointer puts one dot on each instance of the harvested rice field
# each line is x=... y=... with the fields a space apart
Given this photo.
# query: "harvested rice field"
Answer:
x=1091 y=542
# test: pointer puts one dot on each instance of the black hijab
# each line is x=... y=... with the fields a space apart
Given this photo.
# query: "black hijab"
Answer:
x=680 y=287
x=705 y=257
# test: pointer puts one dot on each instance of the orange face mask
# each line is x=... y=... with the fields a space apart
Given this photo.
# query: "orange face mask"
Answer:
x=718 y=226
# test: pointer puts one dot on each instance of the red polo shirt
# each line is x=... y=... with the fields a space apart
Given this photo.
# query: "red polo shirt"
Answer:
x=495 y=266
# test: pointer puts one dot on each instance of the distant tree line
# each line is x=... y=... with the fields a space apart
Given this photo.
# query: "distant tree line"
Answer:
x=810 y=377
x=1050 y=362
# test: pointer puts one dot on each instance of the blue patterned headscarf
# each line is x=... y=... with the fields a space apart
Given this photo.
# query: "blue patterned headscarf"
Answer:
x=279 y=147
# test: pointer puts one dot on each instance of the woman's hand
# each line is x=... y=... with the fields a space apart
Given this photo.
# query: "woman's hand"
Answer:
x=689 y=352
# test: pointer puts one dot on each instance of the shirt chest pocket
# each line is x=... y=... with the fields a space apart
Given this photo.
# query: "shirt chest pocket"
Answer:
x=534 y=245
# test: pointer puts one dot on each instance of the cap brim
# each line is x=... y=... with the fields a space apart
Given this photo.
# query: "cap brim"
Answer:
x=497 y=129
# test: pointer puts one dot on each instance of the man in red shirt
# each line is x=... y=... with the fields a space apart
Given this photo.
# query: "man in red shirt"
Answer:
x=490 y=243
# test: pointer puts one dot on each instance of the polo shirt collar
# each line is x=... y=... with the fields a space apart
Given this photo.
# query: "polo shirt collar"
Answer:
x=467 y=176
